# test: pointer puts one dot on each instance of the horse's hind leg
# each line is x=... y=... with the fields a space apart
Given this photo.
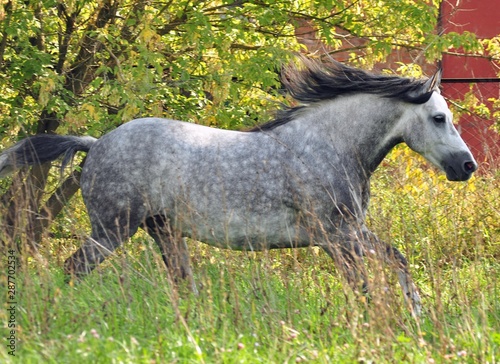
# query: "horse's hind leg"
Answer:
x=89 y=256
x=173 y=249
x=105 y=238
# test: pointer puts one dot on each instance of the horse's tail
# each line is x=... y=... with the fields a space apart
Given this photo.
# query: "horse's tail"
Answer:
x=41 y=149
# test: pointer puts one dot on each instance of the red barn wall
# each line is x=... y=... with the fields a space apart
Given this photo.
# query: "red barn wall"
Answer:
x=460 y=73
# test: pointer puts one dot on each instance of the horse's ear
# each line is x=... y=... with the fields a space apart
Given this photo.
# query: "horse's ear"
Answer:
x=432 y=84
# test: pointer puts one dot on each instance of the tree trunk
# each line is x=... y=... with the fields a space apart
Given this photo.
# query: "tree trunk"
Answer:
x=23 y=220
x=56 y=203
x=22 y=201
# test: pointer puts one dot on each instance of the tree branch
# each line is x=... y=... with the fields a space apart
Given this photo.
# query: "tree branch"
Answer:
x=69 y=20
x=82 y=71
x=3 y=43
x=56 y=203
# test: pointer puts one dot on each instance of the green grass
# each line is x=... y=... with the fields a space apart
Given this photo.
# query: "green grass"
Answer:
x=274 y=307
x=285 y=306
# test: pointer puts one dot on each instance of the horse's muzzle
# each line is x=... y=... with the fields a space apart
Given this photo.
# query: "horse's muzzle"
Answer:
x=460 y=167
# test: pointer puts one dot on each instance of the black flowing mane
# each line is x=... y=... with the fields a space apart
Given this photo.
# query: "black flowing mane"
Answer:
x=310 y=81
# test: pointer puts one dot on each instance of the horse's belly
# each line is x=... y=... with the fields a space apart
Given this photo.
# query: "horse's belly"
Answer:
x=279 y=230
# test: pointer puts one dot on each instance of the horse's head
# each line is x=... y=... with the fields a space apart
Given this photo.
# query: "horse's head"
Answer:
x=429 y=131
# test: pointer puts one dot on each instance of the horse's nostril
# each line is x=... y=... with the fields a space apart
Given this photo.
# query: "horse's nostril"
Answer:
x=469 y=166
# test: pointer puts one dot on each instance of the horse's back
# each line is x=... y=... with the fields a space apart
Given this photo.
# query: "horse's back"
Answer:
x=137 y=157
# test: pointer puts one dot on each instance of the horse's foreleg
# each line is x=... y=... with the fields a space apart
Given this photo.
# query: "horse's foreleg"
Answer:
x=348 y=254
x=399 y=264
x=174 y=250
x=348 y=259
x=394 y=257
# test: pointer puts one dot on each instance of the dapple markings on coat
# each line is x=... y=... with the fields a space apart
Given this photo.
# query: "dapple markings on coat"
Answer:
x=297 y=181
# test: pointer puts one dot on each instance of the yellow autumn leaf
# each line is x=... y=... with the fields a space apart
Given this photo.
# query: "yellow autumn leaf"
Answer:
x=47 y=86
x=129 y=112
x=91 y=110
x=147 y=34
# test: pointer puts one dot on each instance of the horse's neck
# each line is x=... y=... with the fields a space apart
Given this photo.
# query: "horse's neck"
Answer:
x=360 y=127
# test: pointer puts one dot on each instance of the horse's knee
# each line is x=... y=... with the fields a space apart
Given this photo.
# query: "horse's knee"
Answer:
x=393 y=255
x=349 y=260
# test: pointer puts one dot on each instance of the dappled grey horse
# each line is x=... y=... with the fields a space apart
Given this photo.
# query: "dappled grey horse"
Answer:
x=297 y=181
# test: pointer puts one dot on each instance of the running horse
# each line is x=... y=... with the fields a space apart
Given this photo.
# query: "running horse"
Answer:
x=300 y=180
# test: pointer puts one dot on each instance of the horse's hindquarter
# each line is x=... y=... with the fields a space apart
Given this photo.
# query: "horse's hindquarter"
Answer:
x=222 y=187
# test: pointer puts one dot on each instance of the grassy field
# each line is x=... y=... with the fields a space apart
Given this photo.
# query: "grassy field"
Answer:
x=285 y=306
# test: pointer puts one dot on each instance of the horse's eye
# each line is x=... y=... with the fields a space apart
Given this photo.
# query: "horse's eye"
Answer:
x=439 y=119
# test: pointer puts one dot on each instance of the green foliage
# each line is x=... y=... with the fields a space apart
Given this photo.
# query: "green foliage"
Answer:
x=94 y=65
x=496 y=113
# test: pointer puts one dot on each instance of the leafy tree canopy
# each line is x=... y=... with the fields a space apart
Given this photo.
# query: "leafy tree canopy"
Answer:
x=87 y=66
